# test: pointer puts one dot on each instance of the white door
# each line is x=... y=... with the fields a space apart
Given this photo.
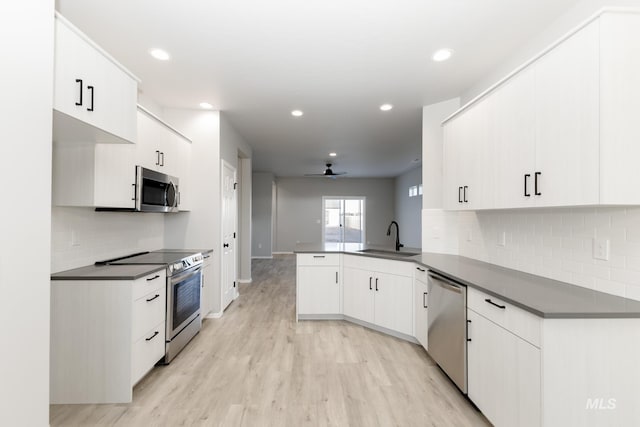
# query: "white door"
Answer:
x=344 y=220
x=229 y=207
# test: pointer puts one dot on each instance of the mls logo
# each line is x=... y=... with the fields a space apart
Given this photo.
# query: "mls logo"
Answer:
x=600 y=403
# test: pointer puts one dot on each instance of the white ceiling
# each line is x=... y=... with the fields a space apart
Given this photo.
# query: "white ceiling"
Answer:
x=337 y=60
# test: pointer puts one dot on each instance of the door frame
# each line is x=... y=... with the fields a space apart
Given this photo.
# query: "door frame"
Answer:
x=364 y=215
x=223 y=164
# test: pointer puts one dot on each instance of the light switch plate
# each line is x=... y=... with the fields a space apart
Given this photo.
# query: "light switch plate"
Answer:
x=601 y=249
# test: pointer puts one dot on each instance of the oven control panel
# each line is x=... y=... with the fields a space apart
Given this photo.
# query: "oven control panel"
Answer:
x=186 y=263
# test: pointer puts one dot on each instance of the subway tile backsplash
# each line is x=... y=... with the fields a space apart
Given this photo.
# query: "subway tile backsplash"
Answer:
x=558 y=243
x=81 y=236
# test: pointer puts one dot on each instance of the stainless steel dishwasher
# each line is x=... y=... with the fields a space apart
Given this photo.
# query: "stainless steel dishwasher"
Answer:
x=447 y=319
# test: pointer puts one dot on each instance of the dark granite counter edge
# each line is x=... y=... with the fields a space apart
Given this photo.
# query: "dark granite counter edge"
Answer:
x=523 y=306
x=69 y=276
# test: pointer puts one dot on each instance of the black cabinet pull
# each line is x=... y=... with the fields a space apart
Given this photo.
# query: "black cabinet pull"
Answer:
x=496 y=305
x=134 y=191
x=420 y=269
x=535 y=184
x=80 y=87
x=424 y=300
x=318 y=256
x=152 y=336
x=526 y=178
x=468 y=321
x=91 y=89
x=152 y=298
x=157 y=158
x=152 y=278
x=459 y=195
x=162 y=158
x=376 y=284
x=336 y=277
x=226 y=245
x=370 y=279
x=464 y=192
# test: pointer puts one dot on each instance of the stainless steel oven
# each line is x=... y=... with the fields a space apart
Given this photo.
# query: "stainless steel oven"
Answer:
x=183 y=309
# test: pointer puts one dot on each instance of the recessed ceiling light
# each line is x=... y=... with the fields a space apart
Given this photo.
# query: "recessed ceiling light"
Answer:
x=206 y=105
x=160 y=54
x=332 y=154
x=297 y=113
x=386 y=107
x=442 y=55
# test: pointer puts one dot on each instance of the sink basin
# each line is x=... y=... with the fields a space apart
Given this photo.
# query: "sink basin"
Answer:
x=390 y=253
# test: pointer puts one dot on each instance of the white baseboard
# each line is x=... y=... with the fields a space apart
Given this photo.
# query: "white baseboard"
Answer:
x=282 y=253
x=245 y=280
x=213 y=315
x=262 y=257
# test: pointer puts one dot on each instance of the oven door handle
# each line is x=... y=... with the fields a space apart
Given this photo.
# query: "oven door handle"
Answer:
x=186 y=275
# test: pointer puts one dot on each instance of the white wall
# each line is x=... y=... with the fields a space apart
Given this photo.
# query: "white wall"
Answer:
x=299 y=208
x=26 y=37
x=262 y=214
x=82 y=236
x=439 y=227
x=408 y=210
x=200 y=228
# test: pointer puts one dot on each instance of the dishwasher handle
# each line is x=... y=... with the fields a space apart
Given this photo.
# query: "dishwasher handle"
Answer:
x=445 y=283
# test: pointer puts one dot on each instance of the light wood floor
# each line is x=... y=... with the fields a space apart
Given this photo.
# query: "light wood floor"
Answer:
x=257 y=367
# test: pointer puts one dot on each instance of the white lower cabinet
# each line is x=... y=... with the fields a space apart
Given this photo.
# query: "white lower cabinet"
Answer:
x=421 y=304
x=379 y=298
x=503 y=374
x=105 y=336
x=207 y=289
x=318 y=284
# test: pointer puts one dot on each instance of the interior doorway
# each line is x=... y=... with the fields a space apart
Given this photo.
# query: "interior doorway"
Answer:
x=229 y=226
x=343 y=219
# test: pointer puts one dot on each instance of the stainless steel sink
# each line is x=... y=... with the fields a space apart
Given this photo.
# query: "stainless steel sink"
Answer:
x=390 y=253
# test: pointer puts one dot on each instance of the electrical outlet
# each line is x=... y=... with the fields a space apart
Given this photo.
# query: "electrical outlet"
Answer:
x=601 y=249
x=502 y=238
x=259 y=245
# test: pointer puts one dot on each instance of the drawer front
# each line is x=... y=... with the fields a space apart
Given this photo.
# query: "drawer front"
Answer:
x=420 y=273
x=149 y=283
x=399 y=268
x=318 y=259
x=147 y=351
x=519 y=322
x=148 y=311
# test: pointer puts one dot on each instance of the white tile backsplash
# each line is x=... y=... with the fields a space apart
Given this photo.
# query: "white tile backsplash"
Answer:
x=558 y=243
x=100 y=235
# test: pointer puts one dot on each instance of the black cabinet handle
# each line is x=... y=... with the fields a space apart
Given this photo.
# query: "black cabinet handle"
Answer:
x=424 y=300
x=157 y=158
x=535 y=184
x=526 y=178
x=134 y=191
x=152 y=278
x=468 y=321
x=318 y=256
x=370 y=279
x=496 y=305
x=152 y=336
x=80 y=87
x=459 y=195
x=92 y=90
x=420 y=269
x=376 y=284
x=152 y=298
x=464 y=192
x=336 y=277
x=162 y=158
x=226 y=245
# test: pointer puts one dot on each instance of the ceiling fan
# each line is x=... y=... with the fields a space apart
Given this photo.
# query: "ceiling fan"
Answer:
x=328 y=173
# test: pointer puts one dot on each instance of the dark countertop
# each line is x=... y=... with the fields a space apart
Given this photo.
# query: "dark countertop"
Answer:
x=108 y=272
x=538 y=295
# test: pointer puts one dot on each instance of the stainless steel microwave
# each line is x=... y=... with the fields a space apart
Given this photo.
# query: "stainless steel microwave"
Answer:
x=156 y=191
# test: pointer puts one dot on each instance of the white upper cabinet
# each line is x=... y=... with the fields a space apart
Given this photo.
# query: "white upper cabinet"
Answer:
x=567 y=111
x=94 y=97
x=562 y=131
x=620 y=112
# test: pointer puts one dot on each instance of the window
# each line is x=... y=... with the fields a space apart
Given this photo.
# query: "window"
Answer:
x=415 y=190
x=343 y=220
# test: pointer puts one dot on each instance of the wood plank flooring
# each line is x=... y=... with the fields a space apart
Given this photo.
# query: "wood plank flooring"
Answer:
x=257 y=367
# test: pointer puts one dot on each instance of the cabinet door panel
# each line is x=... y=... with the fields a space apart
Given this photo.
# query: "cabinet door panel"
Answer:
x=421 y=303
x=475 y=166
x=511 y=129
x=567 y=121
x=451 y=159
x=115 y=175
x=150 y=142
x=318 y=290
x=358 y=299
